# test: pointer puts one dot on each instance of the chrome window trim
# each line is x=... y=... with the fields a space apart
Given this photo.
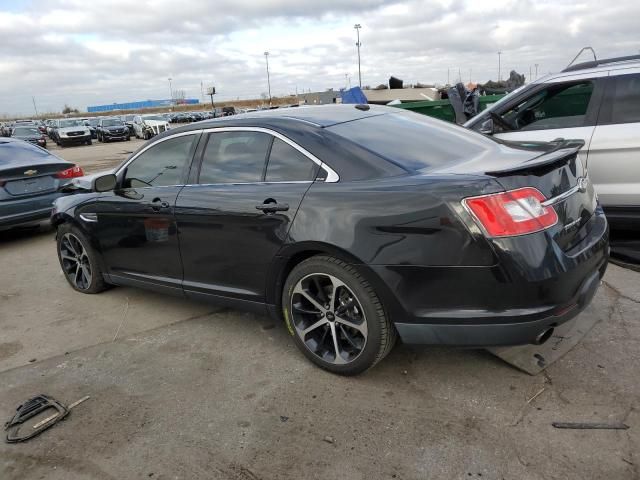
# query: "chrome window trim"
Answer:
x=332 y=176
x=245 y=183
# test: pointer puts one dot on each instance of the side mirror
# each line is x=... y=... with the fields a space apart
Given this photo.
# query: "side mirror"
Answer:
x=104 y=183
x=486 y=128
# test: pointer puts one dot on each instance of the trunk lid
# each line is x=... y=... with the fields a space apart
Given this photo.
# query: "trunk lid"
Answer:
x=553 y=168
x=32 y=179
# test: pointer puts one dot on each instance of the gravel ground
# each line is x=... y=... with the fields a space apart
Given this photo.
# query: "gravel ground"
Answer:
x=182 y=390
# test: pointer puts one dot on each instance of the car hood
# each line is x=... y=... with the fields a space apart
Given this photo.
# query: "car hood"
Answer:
x=114 y=127
x=72 y=129
x=154 y=123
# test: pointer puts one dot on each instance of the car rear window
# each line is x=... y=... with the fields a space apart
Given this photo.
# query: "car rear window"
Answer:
x=19 y=152
x=413 y=141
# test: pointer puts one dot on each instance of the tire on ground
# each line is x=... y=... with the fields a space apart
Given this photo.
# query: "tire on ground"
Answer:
x=98 y=283
x=381 y=333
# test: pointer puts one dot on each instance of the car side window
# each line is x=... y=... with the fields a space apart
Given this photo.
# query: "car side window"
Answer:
x=623 y=105
x=161 y=165
x=287 y=164
x=234 y=157
x=557 y=106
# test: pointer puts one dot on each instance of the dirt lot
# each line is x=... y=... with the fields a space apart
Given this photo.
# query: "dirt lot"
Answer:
x=181 y=390
x=99 y=156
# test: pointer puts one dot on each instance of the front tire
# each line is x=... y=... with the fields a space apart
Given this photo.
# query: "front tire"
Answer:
x=79 y=261
x=335 y=316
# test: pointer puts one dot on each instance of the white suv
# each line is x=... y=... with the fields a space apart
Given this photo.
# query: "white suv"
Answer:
x=598 y=102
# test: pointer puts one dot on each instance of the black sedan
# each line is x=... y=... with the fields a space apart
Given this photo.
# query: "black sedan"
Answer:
x=31 y=134
x=355 y=224
x=31 y=178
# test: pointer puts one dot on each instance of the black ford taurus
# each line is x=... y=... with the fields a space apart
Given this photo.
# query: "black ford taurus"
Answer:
x=355 y=224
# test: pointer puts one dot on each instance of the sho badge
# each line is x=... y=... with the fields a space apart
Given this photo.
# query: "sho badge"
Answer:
x=31 y=172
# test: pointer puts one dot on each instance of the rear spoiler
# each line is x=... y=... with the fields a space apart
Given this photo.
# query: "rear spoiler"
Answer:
x=556 y=152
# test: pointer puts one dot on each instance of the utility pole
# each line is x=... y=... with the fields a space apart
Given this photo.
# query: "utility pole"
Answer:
x=170 y=90
x=266 y=57
x=536 y=65
x=530 y=79
x=448 y=82
x=357 y=26
x=499 y=67
x=34 y=105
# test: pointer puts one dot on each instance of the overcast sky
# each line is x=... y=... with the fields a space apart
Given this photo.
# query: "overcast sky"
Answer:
x=84 y=53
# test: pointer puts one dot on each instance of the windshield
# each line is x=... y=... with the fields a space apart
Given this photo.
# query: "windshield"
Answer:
x=25 y=131
x=153 y=117
x=128 y=118
x=93 y=122
x=71 y=123
x=112 y=122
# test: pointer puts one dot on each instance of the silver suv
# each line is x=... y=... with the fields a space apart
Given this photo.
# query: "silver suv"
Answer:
x=598 y=102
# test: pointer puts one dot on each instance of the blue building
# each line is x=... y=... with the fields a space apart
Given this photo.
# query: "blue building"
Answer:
x=140 y=105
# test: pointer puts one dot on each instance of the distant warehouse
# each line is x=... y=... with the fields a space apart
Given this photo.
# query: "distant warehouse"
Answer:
x=143 y=104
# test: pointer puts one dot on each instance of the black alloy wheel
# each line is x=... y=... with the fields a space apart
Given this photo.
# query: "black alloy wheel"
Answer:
x=335 y=316
x=79 y=261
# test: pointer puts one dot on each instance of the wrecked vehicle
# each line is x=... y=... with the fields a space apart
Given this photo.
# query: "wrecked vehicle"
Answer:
x=147 y=126
x=355 y=224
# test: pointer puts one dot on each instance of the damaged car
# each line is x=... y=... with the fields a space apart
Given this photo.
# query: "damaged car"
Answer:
x=355 y=225
x=147 y=126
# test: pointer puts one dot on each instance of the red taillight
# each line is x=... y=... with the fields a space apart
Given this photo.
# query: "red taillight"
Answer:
x=516 y=212
x=72 y=172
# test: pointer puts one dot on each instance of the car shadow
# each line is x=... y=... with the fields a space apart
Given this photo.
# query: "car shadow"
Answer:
x=19 y=234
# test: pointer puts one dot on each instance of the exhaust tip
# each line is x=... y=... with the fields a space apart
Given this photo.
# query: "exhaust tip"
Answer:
x=543 y=336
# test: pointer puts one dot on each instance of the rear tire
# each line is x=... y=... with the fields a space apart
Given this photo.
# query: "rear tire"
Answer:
x=335 y=316
x=79 y=261
x=89 y=142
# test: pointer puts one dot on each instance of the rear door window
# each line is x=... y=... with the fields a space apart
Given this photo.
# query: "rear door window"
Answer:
x=234 y=157
x=562 y=105
x=287 y=164
x=623 y=102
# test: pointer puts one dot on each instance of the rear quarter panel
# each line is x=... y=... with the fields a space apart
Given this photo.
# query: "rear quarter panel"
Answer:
x=399 y=221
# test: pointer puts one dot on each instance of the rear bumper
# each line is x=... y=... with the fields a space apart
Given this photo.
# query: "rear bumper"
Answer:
x=25 y=211
x=534 y=287
x=522 y=332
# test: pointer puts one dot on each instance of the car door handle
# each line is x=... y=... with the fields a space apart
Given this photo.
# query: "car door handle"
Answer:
x=273 y=207
x=159 y=204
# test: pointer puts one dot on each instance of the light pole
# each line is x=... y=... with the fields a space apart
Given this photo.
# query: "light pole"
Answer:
x=357 y=26
x=170 y=89
x=499 y=68
x=536 y=65
x=266 y=57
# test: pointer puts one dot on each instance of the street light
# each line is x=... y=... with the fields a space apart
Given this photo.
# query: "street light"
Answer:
x=266 y=57
x=499 y=68
x=170 y=89
x=357 y=26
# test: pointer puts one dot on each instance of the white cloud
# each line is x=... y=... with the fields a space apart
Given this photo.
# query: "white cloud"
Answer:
x=84 y=53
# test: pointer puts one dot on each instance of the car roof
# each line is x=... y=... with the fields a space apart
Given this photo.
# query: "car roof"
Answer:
x=318 y=115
